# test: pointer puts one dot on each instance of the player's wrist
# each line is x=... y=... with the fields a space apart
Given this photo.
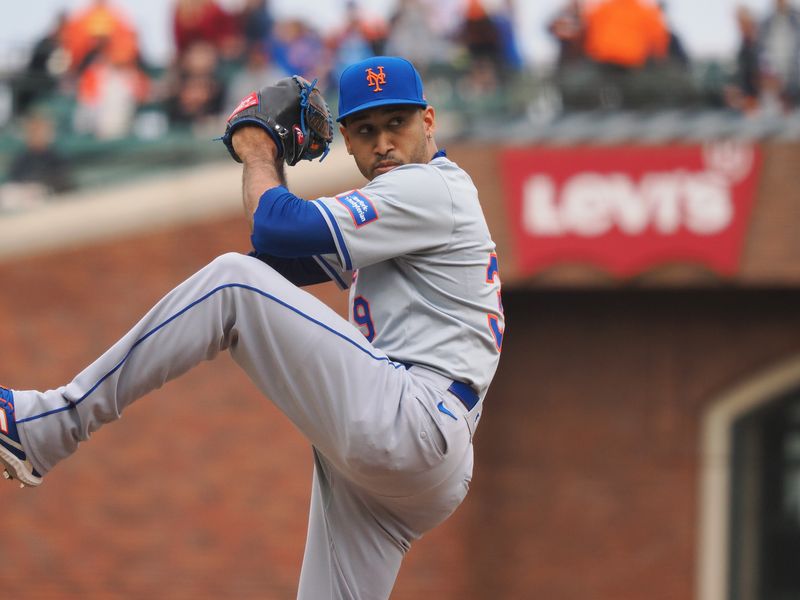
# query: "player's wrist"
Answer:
x=253 y=143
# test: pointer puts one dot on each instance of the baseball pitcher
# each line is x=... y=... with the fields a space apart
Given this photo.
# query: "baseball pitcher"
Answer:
x=389 y=400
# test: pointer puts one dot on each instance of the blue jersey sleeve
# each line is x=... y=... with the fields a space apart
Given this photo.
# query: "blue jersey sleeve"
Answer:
x=286 y=226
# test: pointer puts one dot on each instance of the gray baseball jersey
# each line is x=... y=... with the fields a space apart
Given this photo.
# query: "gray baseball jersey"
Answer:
x=426 y=289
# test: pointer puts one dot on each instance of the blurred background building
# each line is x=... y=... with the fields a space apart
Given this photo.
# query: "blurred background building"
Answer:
x=637 y=162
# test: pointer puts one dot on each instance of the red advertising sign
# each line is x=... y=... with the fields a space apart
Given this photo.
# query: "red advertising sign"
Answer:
x=628 y=209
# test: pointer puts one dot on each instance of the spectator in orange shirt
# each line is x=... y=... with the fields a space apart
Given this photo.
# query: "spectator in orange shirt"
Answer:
x=104 y=58
x=628 y=33
x=99 y=28
x=110 y=90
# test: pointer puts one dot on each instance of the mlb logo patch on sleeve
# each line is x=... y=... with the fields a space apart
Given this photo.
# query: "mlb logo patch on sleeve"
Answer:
x=361 y=208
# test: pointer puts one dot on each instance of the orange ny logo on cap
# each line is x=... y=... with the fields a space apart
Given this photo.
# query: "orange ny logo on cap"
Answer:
x=376 y=79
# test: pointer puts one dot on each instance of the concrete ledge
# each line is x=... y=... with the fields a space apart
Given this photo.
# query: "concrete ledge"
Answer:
x=204 y=193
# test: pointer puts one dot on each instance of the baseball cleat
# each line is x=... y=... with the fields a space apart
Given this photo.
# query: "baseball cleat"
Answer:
x=13 y=459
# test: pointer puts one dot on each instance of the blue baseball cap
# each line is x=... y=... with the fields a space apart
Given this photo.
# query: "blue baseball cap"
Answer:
x=379 y=81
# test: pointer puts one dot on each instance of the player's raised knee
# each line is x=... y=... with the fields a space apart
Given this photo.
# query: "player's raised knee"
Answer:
x=231 y=261
x=233 y=266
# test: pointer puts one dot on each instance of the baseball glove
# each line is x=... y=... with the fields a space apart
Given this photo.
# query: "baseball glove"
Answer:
x=293 y=112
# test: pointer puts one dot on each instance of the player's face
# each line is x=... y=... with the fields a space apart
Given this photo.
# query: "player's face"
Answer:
x=384 y=138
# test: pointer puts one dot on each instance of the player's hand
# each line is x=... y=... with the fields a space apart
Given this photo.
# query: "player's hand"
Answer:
x=254 y=142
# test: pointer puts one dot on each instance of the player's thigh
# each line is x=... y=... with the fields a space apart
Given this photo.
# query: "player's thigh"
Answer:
x=347 y=396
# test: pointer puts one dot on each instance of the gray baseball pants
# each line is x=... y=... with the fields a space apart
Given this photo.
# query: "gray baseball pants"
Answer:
x=390 y=464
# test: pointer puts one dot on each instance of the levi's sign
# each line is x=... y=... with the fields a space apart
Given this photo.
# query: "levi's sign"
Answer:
x=628 y=209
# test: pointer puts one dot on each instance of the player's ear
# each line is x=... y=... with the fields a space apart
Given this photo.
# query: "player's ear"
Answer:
x=429 y=120
x=343 y=131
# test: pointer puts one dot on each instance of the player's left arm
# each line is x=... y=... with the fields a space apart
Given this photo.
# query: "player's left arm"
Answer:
x=282 y=224
x=287 y=121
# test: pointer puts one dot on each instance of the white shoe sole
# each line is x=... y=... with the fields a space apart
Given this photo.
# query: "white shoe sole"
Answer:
x=22 y=471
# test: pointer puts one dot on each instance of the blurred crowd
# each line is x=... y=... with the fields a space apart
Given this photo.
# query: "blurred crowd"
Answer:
x=629 y=55
x=221 y=55
x=612 y=54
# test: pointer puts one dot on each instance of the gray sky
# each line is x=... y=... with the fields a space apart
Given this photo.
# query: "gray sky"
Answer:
x=706 y=26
